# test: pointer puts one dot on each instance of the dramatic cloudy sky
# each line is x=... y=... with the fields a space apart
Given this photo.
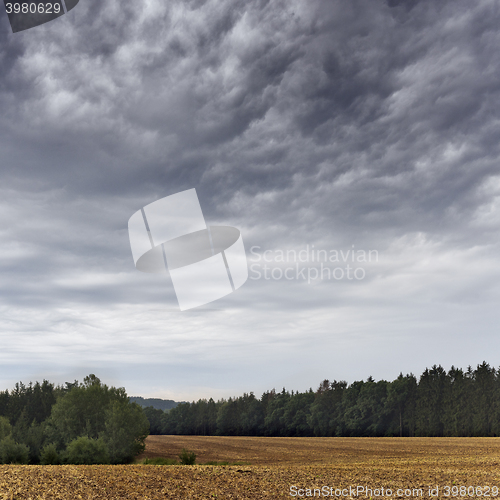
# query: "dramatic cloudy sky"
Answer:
x=365 y=123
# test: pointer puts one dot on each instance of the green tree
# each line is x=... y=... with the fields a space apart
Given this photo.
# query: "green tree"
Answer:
x=34 y=439
x=401 y=394
x=99 y=413
x=228 y=418
x=5 y=428
x=432 y=388
x=484 y=392
x=274 y=420
x=327 y=411
x=155 y=419
x=82 y=410
x=297 y=410
x=4 y=403
x=126 y=429
x=459 y=403
x=212 y=409
x=251 y=415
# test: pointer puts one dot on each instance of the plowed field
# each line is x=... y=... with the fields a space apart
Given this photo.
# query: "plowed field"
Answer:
x=280 y=468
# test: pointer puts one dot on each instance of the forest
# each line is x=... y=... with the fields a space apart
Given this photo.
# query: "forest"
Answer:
x=454 y=403
x=79 y=423
x=89 y=422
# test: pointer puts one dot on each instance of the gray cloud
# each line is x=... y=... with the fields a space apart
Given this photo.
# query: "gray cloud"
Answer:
x=372 y=123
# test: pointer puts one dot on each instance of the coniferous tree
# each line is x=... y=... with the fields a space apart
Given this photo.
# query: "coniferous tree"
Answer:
x=484 y=391
x=401 y=395
x=458 y=412
x=326 y=416
x=430 y=402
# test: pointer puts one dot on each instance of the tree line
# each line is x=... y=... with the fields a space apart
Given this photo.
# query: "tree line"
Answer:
x=79 y=423
x=454 y=403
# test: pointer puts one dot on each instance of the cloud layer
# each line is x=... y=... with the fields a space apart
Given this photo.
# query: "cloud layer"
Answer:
x=369 y=124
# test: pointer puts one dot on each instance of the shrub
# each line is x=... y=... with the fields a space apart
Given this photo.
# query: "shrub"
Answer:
x=187 y=457
x=12 y=452
x=84 y=450
x=49 y=455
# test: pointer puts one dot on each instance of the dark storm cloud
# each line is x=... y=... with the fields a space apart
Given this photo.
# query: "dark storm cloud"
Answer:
x=369 y=111
x=175 y=93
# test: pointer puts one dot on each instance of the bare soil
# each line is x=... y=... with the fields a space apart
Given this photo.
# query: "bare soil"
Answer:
x=304 y=451
x=280 y=468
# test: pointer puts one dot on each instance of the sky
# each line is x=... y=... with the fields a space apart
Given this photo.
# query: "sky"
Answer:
x=367 y=128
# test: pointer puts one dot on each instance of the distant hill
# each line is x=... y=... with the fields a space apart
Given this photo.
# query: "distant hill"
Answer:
x=159 y=404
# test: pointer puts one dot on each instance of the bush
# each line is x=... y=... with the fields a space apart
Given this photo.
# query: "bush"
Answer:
x=159 y=461
x=49 y=455
x=12 y=452
x=187 y=457
x=86 y=451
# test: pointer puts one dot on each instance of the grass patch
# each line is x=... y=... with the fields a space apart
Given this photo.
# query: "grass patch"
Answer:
x=159 y=461
x=171 y=461
x=225 y=463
